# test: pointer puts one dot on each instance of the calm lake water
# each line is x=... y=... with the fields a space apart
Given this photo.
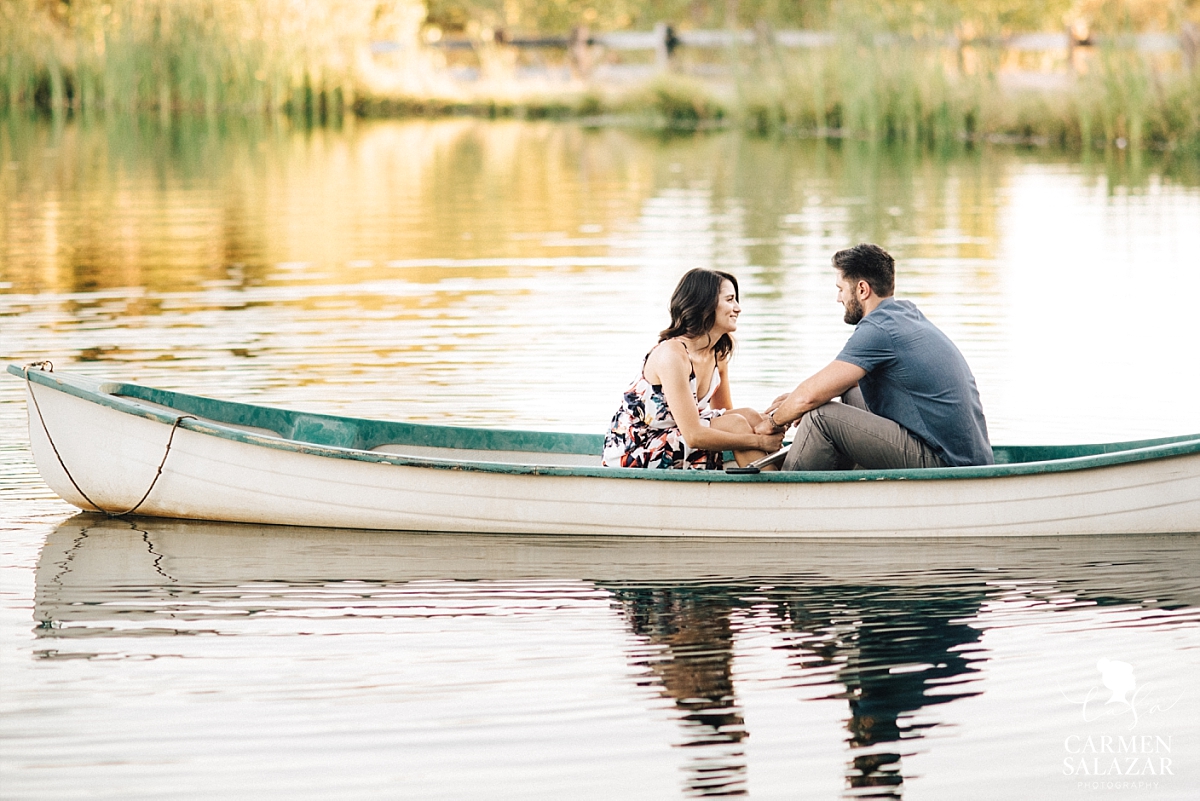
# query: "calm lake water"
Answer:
x=513 y=274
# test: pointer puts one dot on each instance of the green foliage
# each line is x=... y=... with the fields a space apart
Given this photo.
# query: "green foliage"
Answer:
x=181 y=55
x=217 y=56
x=677 y=102
x=591 y=104
x=897 y=93
x=910 y=94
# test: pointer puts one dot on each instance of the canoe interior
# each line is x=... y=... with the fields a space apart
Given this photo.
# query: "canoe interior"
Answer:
x=381 y=436
x=516 y=447
x=482 y=443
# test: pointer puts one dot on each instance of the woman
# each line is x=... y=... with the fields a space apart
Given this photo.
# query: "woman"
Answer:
x=673 y=414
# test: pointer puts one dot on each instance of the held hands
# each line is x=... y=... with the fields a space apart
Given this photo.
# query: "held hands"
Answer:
x=772 y=441
x=766 y=426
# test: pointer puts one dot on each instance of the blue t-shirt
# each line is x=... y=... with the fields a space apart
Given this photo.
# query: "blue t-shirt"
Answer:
x=919 y=379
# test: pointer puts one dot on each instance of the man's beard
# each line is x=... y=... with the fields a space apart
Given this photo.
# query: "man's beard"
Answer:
x=854 y=311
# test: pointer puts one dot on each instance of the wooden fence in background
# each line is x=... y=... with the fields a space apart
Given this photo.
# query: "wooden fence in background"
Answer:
x=666 y=41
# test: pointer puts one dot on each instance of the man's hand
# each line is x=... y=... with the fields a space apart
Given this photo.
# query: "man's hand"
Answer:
x=775 y=403
x=765 y=426
x=821 y=387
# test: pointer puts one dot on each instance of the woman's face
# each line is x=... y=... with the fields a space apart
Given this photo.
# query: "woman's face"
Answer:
x=727 y=309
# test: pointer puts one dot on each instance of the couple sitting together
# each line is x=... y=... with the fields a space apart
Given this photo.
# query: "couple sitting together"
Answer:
x=907 y=397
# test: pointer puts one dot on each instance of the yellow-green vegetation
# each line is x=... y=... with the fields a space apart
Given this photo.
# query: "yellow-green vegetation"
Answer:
x=906 y=93
x=184 y=55
x=311 y=59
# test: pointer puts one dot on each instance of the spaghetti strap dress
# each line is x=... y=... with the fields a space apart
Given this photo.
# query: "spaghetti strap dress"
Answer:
x=644 y=434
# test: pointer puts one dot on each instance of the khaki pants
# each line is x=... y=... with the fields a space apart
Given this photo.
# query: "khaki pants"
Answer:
x=845 y=436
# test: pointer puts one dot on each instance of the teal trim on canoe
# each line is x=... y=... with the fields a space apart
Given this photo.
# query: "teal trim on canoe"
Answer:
x=353 y=438
x=361 y=433
x=325 y=429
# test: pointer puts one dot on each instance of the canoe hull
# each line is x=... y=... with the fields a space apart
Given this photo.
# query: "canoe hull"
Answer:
x=112 y=457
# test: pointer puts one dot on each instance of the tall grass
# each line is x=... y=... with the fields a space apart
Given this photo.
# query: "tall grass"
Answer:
x=926 y=96
x=181 y=55
x=890 y=93
x=302 y=57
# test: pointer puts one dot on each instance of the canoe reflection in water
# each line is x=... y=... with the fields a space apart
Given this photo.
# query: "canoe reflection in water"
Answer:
x=889 y=626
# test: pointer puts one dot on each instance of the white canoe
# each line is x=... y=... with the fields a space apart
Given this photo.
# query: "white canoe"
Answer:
x=114 y=446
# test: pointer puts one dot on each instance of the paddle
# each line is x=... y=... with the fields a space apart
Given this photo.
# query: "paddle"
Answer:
x=758 y=464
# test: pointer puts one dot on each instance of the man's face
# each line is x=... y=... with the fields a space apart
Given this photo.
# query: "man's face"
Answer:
x=848 y=297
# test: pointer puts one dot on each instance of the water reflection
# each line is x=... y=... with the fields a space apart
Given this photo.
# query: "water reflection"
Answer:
x=123 y=204
x=507 y=275
x=425 y=256
x=884 y=647
x=892 y=628
x=438 y=271
x=894 y=648
x=695 y=669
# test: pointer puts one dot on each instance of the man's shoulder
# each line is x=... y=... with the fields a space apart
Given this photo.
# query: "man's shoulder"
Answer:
x=900 y=319
x=895 y=310
x=888 y=317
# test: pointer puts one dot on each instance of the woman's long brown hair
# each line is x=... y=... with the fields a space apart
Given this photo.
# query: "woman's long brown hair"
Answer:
x=694 y=307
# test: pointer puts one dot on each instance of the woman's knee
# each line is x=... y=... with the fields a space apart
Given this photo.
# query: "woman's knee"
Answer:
x=732 y=422
x=749 y=415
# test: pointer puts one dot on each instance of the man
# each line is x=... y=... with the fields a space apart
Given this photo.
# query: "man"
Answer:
x=909 y=398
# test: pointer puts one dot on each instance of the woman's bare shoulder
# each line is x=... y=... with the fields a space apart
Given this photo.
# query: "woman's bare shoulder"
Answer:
x=667 y=357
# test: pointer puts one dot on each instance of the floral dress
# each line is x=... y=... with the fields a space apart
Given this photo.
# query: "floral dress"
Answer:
x=644 y=434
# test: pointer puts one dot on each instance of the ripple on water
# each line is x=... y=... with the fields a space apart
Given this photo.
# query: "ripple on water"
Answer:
x=162 y=659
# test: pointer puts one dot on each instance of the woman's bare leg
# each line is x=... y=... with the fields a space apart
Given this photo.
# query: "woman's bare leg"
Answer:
x=752 y=417
x=737 y=422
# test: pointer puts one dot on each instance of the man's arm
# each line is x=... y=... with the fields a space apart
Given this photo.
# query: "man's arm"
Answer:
x=820 y=388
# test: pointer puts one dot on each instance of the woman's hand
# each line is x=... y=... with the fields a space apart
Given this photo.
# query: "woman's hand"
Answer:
x=767 y=423
x=770 y=442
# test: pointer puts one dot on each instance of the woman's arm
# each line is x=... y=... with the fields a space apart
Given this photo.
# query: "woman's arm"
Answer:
x=723 y=397
x=670 y=366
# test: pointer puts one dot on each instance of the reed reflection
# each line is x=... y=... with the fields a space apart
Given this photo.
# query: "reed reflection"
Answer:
x=131 y=204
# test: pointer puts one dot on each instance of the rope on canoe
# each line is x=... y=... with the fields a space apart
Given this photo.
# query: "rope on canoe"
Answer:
x=47 y=366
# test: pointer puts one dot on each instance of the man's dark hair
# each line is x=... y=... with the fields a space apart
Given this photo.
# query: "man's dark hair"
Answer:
x=869 y=263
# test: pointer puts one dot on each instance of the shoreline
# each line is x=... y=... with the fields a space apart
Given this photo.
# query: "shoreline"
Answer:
x=649 y=123
x=1132 y=109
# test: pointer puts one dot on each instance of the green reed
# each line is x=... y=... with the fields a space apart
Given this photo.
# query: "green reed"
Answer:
x=891 y=93
x=174 y=56
x=929 y=96
x=299 y=57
